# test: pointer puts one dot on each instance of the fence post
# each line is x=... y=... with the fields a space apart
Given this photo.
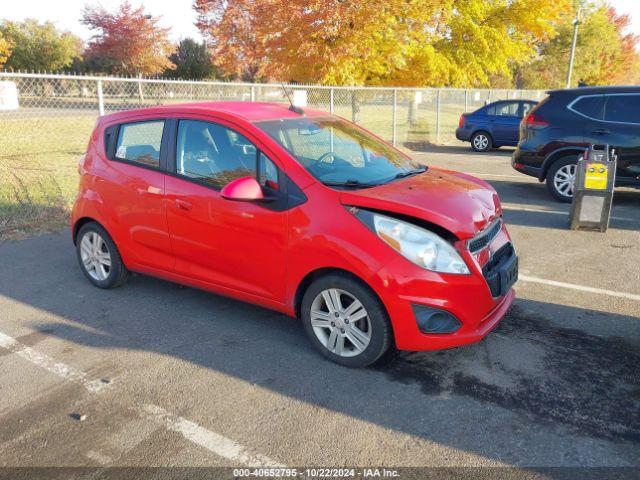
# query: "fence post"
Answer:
x=331 y=101
x=100 y=99
x=466 y=100
x=253 y=93
x=394 y=116
x=438 y=117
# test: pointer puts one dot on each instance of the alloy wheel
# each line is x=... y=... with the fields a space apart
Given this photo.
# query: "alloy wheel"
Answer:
x=340 y=322
x=563 y=180
x=95 y=255
x=481 y=142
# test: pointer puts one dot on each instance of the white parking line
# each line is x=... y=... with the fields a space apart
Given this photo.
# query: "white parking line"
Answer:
x=44 y=361
x=513 y=206
x=582 y=288
x=222 y=446
x=215 y=443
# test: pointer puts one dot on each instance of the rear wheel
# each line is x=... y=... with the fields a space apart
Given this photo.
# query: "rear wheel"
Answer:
x=481 y=141
x=560 y=178
x=99 y=257
x=345 y=321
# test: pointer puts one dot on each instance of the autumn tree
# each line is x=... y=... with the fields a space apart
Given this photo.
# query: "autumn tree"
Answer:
x=127 y=41
x=192 y=60
x=605 y=53
x=5 y=49
x=37 y=46
x=377 y=42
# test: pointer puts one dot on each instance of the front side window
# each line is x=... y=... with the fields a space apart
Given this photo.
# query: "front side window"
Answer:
x=526 y=107
x=338 y=152
x=140 y=142
x=213 y=154
x=622 y=108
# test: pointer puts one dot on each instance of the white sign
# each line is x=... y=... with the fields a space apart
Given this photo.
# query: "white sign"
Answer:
x=8 y=96
x=300 y=98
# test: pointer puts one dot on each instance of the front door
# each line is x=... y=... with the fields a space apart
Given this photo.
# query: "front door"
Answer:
x=622 y=130
x=237 y=245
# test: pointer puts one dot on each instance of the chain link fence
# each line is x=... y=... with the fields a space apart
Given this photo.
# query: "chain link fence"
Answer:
x=41 y=139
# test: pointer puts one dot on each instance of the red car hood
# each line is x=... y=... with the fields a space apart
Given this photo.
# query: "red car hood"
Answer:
x=455 y=201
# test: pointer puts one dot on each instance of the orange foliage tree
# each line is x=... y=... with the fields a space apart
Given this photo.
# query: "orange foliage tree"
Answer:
x=128 y=41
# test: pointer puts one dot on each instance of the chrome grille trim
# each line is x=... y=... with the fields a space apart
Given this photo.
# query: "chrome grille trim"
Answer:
x=484 y=238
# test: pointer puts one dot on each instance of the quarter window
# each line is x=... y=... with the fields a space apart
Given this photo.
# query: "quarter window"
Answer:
x=590 y=106
x=140 y=142
x=623 y=108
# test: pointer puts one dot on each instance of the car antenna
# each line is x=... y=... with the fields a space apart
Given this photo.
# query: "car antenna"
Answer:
x=292 y=107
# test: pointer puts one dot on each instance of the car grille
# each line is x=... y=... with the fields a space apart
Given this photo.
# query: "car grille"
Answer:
x=484 y=238
x=491 y=271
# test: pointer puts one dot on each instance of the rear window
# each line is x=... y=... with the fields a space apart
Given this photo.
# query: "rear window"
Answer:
x=589 y=106
x=140 y=142
x=622 y=108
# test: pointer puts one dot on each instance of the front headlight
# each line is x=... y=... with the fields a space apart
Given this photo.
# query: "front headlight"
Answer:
x=422 y=247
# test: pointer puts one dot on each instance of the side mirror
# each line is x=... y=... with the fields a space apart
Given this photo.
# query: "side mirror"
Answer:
x=245 y=189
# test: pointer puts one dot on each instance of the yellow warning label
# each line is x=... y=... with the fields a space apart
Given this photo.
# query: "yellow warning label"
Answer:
x=596 y=176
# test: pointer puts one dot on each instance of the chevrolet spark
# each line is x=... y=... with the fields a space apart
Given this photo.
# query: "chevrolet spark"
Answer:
x=297 y=211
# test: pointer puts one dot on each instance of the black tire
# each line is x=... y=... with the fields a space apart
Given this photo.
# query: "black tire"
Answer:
x=117 y=273
x=551 y=173
x=477 y=145
x=381 y=332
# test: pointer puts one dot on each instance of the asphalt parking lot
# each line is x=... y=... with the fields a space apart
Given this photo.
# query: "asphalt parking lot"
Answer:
x=161 y=375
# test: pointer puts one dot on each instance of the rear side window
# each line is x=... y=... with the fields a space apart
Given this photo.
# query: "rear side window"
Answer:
x=504 y=109
x=622 y=108
x=140 y=142
x=589 y=106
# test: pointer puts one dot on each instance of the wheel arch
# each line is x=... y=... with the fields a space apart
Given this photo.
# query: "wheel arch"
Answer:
x=80 y=223
x=555 y=156
x=318 y=273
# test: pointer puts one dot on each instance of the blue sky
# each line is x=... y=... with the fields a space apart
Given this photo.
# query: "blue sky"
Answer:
x=177 y=14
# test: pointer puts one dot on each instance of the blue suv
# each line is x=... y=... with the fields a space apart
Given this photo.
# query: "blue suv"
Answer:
x=493 y=125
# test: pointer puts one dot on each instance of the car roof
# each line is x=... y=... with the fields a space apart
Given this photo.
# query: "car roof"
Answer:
x=597 y=90
x=249 y=111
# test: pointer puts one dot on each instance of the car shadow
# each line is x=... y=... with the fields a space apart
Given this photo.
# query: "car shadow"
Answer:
x=531 y=371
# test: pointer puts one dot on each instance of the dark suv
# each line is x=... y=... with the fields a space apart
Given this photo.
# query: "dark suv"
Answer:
x=556 y=132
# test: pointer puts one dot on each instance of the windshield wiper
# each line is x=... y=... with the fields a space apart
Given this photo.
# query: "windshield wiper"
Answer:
x=412 y=172
x=351 y=184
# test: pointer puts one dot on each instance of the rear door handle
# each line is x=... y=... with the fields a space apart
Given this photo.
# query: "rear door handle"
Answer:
x=183 y=204
x=601 y=131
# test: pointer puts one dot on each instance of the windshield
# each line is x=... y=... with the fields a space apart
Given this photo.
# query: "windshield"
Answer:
x=338 y=153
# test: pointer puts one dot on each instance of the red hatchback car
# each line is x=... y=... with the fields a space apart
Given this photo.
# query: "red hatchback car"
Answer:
x=300 y=212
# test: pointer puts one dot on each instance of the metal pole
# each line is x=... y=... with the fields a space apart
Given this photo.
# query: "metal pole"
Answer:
x=576 y=22
x=466 y=100
x=253 y=93
x=331 y=101
x=100 y=99
x=438 y=117
x=394 y=116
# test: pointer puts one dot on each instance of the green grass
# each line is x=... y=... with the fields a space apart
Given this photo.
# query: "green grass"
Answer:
x=38 y=170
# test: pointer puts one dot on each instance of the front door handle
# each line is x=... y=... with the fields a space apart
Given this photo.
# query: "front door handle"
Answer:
x=183 y=204
x=601 y=131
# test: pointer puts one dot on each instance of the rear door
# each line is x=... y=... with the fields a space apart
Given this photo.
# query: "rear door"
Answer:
x=505 y=122
x=132 y=191
x=236 y=245
x=622 y=124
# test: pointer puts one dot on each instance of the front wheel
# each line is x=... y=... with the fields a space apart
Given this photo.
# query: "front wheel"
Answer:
x=345 y=321
x=561 y=177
